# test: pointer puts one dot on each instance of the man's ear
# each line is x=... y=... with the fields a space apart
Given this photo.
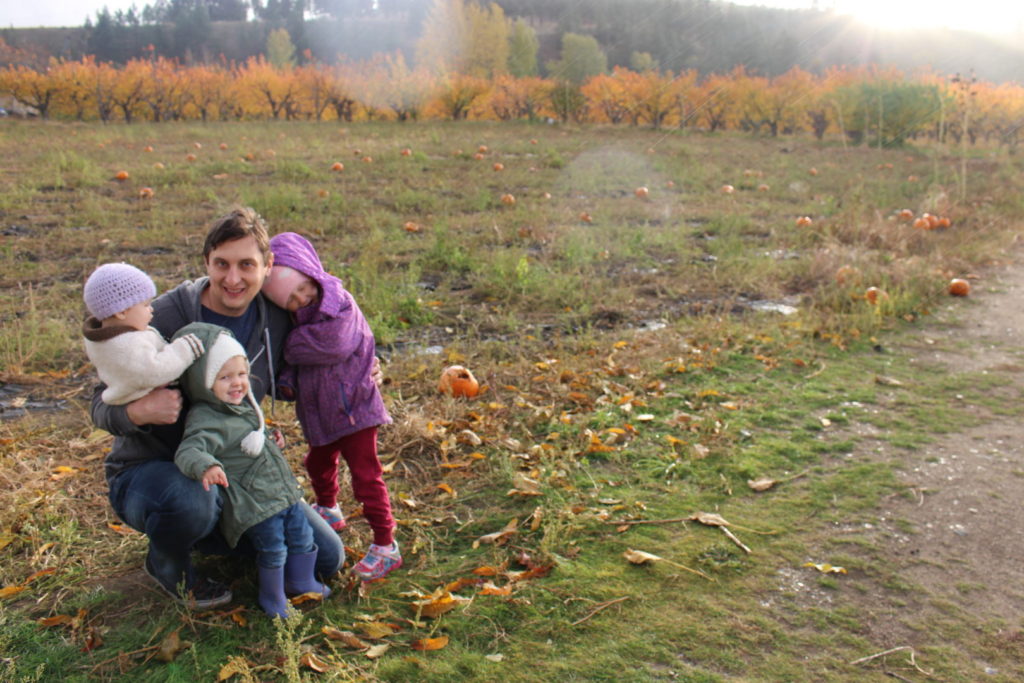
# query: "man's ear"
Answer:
x=270 y=260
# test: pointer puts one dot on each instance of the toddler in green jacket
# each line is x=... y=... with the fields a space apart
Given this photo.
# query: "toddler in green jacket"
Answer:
x=225 y=444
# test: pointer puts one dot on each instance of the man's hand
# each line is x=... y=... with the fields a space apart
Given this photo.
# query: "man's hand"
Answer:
x=214 y=475
x=158 y=407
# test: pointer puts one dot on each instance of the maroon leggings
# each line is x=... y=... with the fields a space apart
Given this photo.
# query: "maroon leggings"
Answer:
x=360 y=453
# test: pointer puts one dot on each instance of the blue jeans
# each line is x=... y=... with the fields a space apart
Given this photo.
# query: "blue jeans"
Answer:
x=280 y=535
x=177 y=515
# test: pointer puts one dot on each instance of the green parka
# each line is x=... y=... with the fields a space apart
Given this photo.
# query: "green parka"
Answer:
x=259 y=485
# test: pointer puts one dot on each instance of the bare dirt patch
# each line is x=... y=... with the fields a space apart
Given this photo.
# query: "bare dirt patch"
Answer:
x=952 y=547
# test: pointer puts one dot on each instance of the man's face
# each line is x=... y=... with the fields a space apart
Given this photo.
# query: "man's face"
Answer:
x=236 y=269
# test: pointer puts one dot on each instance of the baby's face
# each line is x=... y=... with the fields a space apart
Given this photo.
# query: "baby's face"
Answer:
x=232 y=382
x=138 y=316
x=304 y=293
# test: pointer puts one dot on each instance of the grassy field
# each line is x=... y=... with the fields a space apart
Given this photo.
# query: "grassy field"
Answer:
x=646 y=355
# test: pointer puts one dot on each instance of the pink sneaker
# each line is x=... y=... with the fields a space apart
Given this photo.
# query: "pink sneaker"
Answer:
x=378 y=562
x=332 y=516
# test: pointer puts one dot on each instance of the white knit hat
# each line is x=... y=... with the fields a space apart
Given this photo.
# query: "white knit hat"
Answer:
x=224 y=348
x=116 y=287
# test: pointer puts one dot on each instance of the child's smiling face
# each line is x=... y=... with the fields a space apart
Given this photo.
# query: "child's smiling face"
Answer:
x=232 y=382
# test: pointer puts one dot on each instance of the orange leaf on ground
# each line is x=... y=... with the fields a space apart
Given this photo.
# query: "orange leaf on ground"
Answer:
x=498 y=537
x=490 y=589
x=438 y=603
x=430 y=643
x=56 y=620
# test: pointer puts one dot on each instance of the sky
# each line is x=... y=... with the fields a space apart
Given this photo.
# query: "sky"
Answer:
x=989 y=16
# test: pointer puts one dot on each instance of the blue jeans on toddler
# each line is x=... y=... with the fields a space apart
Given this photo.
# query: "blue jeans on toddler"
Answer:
x=179 y=516
x=280 y=535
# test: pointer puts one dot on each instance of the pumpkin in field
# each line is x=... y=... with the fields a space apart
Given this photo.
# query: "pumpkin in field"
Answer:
x=121 y=175
x=499 y=166
x=190 y=157
x=223 y=145
x=586 y=217
x=508 y=200
x=763 y=187
x=412 y=226
x=146 y=193
x=728 y=189
x=337 y=166
x=148 y=148
x=641 y=192
x=847 y=274
x=873 y=295
x=459 y=382
x=482 y=149
x=406 y=152
x=804 y=222
x=906 y=215
x=959 y=287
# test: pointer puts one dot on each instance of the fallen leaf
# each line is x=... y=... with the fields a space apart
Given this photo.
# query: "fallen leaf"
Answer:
x=10 y=591
x=887 y=381
x=57 y=620
x=490 y=589
x=762 y=484
x=498 y=537
x=120 y=528
x=447 y=489
x=6 y=539
x=639 y=556
x=233 y=667
x=239 y=619
x=311 y=661
x=93 y=640
x=486 y=570
x=378 y=629
x=825 y=568
x=171 y=646
x=708 y=518
x=306 y=597
x=347 y=637
x=430 y=643
x=437 y=604
x=378 y=650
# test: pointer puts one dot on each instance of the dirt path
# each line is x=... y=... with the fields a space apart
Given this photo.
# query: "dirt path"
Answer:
x=956 y=546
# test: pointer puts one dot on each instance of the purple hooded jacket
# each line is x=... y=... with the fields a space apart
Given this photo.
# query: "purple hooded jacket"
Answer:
x=329 y=354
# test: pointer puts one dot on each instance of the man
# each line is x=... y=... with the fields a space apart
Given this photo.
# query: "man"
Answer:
x=147 y=491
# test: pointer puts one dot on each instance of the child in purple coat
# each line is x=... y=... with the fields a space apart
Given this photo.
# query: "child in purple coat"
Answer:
x=330 y=357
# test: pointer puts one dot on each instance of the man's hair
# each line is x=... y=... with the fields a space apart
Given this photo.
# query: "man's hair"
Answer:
x=242 y=221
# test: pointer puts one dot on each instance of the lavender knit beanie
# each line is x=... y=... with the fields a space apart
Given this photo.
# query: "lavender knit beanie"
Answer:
x=115 y=287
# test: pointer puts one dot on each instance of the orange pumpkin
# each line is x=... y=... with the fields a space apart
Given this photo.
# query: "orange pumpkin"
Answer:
x=412 y=226
x=368 y=160
x=533 y=141
x=763 y=187
x=223 y=145
x=812 y=171
x=874 y=295
x=586 y=217
x=641 y=192
x=804 y=222
x=406 y=152
x=482 y=149
x=148 y=148
x=337 y=166
x=190 y=157
x=847 y=274
x=508 y=200
x=478 y=156
x=728 y=189
x=499 y=167
x=121 y=175
x=146 y=193
x=459 y=382
x=906 y=215
x=959 y=287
